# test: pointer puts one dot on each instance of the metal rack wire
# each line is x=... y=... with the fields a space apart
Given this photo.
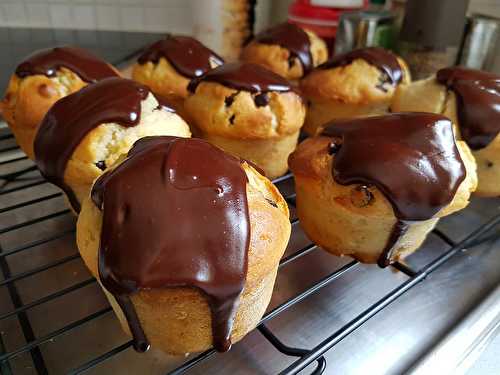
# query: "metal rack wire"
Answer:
x=21 y=176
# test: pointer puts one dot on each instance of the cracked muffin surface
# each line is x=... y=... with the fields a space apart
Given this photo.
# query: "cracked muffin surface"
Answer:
x=356 y=84
x=249 y=111
x=87 y=131
x=287 y=50
x=43 y=78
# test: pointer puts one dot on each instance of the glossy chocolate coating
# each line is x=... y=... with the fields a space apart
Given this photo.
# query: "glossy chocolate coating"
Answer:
x=187 y=55
x=291 y=37
x=478 y=103
x=243 y=76
x=88 y=67
x=71 y=118
x=188 y=226
x=380 y=58
x=411 y=158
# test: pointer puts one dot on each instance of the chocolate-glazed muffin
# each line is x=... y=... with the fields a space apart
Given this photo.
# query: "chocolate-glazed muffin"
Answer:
x=85 y=132
x=287 y=50
x=373 y=188
x=42 y=79
x=356 y=84
x=471 y=98
x=168 y=65
x=188 y=261
x=248 y=111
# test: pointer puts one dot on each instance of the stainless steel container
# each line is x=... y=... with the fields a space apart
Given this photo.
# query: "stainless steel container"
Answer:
x=481 y=42
x=365 y=29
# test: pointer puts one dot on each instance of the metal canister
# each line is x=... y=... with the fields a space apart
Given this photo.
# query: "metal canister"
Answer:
x=431 y=34
x=481 y=42
x=365 y=29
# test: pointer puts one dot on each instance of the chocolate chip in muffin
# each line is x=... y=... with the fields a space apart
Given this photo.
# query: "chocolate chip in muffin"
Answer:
x=361 y=196
x=101 y=164
x=228 y=101
x=261 y=100
x=383 y=80
x=333 y=148
x=231 y=119
x=272 y=203
x=489 y=164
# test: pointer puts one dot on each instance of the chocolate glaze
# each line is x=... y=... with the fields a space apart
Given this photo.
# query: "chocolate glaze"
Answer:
x=291 y=37
x=187 y=227
x=382 y=59
x=243 y=76
x=478 y=103
x=187 y=55
x=411 y=158
x=88 y=67
x=71 y=118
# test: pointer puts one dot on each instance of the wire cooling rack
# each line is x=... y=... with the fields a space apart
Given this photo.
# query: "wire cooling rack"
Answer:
x=22 y=188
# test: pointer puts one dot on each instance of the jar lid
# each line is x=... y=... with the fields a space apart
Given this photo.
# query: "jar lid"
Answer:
x=337 y=3
x=303 y=10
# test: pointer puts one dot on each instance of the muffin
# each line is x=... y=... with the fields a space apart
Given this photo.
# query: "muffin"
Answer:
x=188 y=261
x=86 y=131
x=373 y=188
x=248 y=111
x=41 y=80
x=471 y=99
x=168 y=65
x=287 y=50
x=359 y=83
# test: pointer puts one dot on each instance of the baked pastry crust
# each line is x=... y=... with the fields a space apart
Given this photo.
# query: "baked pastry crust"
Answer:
x=283 y=115
x=28 y=99
x=178 y=320
x=332 y=216
x=107 y=142
x=429 y=96
x=353 y=90
x=163 y=79
x=265 y=135
x=277 y=58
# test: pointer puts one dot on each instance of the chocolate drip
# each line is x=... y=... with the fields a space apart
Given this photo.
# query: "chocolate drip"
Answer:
x=243 y=76
x=71 y=118
x=398 y=230
x=88 y=67
x=411 y=158
x=187 y=55
x=382 y=59
x=478 y=103
x=291 y=37
x=187 y=227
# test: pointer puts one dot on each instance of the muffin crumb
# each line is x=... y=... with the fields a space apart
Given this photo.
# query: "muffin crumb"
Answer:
x=361 y=196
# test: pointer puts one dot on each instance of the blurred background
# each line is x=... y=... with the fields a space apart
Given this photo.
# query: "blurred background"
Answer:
x=211 y=20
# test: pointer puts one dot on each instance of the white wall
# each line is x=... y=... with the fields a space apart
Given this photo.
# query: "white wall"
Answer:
x=139 y=15
x=129 y=15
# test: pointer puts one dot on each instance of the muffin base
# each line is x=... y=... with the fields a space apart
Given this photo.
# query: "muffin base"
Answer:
x=170 y=313
x=343 y=232
x=488 y=169
x=271 y=155
x=321 y=112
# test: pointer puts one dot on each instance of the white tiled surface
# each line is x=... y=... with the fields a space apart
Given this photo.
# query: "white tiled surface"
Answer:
x=137 y=15
x=122 y=15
